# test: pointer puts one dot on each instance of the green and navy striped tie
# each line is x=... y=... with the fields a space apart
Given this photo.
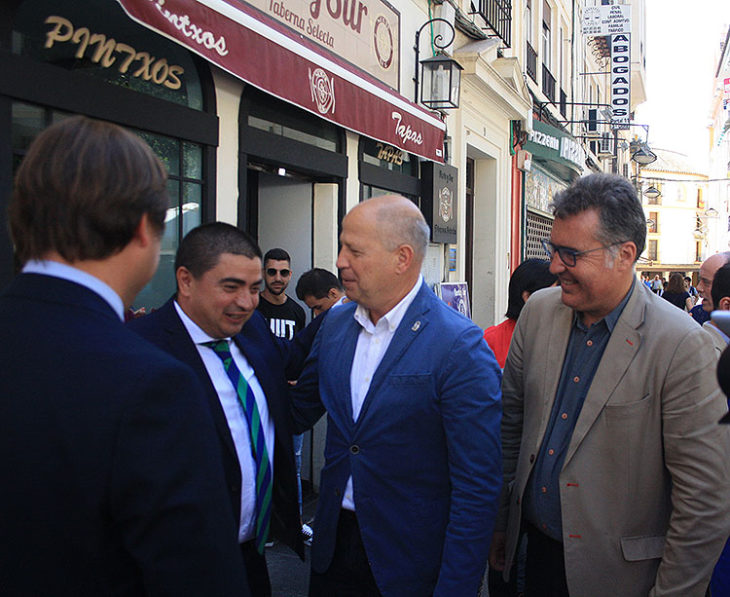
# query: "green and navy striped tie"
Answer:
x=258 y=445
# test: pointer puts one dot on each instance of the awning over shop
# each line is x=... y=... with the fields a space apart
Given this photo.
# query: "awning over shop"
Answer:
x=265 y=54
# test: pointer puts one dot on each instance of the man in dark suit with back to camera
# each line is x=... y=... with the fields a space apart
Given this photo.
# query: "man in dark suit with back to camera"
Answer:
x=112 y=483
x=412 y=457
x=212 y=325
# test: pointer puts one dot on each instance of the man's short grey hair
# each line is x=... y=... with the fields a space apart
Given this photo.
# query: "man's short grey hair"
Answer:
x=614 y=198
x=401 y=226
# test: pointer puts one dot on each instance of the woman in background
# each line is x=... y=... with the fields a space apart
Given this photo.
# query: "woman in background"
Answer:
x=676 y=294
x=530 y=275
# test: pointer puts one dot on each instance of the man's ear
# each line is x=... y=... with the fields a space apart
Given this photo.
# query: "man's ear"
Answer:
x=145 y=233
x=184 y=279
x=332 y=293
x=627 y=254
x=724 y=304
x=404 y=258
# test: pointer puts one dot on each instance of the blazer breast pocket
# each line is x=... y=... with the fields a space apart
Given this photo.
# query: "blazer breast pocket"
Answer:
x=409 y=379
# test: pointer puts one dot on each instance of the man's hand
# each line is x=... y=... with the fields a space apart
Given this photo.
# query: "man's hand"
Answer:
x=496 y=551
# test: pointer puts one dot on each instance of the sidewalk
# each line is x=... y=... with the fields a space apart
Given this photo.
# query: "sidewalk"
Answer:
x=289 y=575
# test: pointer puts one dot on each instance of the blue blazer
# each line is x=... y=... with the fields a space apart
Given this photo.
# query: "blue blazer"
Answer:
x=110 y=468
x=424 y=454
x=268 y=356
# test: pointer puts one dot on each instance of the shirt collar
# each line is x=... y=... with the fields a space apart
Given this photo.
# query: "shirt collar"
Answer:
x=393 y=317
x=196 y=333
x=612 y=318
x=56 y=269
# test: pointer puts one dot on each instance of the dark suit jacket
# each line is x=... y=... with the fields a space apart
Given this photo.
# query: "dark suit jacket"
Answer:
x=424 y=453
x=109 y=466
x=267 y=355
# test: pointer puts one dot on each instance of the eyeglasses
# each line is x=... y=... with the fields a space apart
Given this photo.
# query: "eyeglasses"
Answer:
x=570 y=256
x=272 y=271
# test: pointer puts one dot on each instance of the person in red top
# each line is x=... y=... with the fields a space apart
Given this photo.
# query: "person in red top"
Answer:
x=530 y=275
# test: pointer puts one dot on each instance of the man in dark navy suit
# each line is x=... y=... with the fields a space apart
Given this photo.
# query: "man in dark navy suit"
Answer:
x=110 y=472
x=219 y=276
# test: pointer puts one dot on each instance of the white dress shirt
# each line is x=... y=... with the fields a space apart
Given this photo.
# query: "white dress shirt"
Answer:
x=236 y=417
x=372 y=343
x=72 y=274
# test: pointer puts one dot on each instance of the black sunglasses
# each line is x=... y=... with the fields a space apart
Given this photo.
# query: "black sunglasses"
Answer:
x=272 y=271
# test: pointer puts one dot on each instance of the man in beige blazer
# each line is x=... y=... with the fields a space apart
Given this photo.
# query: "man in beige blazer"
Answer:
x=614 y=463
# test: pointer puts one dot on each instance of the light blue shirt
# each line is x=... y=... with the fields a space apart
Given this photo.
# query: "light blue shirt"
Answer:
x=75 y=275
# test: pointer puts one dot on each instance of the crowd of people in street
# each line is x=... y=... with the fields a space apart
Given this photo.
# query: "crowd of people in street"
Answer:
x=576 y=449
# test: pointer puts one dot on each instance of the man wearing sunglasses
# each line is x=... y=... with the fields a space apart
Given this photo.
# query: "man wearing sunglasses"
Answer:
x=615 y=465
x=283 y=313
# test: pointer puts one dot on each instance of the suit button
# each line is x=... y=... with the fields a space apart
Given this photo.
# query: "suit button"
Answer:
x=532 y=458
x=355 y=449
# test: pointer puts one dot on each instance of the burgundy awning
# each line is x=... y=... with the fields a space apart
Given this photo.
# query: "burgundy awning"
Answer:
x=266 y=54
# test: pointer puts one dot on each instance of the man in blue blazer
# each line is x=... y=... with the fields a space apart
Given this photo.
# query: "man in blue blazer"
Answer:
x=219 y=276
x=412 y=393
x=111 y=478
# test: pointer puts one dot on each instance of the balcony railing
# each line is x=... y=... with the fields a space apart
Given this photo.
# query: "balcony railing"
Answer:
x=498 y=15
x=548 y=84
x=563 y=104
x=531 y=61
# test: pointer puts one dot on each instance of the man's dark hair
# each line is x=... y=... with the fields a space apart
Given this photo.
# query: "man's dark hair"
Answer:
x=720 y=284
x=277 y=255
x=530 y=275
x=316 y=282
x=82 y=190
x=614 y=198
x=202 y=247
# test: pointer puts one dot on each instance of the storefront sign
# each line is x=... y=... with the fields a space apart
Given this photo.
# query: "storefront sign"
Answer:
x=606 y=20
x=621 y=81
x=552 y=146
x=438 y=200
x=273 y=58
x=366 y=33
x=108 y=53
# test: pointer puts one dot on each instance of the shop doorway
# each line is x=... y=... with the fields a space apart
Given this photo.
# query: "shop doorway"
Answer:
x=285 y=221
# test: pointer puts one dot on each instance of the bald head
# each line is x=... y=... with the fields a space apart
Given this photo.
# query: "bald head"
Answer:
x=400 y=222
x=707 y=273
x=384 y=241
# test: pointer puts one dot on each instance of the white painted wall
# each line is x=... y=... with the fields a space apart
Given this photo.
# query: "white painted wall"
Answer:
x=228 y=91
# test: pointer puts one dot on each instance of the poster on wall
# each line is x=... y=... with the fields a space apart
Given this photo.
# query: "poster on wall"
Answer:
x=456 y=296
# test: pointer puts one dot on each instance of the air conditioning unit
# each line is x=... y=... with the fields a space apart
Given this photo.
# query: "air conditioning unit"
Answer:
x=591 y=123
x=605 y=145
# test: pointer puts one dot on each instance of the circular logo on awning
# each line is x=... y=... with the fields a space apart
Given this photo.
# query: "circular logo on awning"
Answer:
x=383 y=41
x=323 y=90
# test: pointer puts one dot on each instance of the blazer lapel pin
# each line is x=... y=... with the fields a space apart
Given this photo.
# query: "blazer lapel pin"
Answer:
x=416 y=325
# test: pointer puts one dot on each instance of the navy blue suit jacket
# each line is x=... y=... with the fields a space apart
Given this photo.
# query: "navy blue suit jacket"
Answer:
x=424 y=453
x=268 y=356
x=109 y=465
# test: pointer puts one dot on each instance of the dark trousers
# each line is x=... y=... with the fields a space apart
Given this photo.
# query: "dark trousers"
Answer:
x=256 y=571
x=545 y=570
x=349 y=573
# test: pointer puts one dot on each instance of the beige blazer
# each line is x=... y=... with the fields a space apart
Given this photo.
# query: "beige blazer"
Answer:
x=645 y=487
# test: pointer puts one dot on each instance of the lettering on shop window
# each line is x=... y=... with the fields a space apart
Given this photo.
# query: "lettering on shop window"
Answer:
x=388 y=153
x=107 y=52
